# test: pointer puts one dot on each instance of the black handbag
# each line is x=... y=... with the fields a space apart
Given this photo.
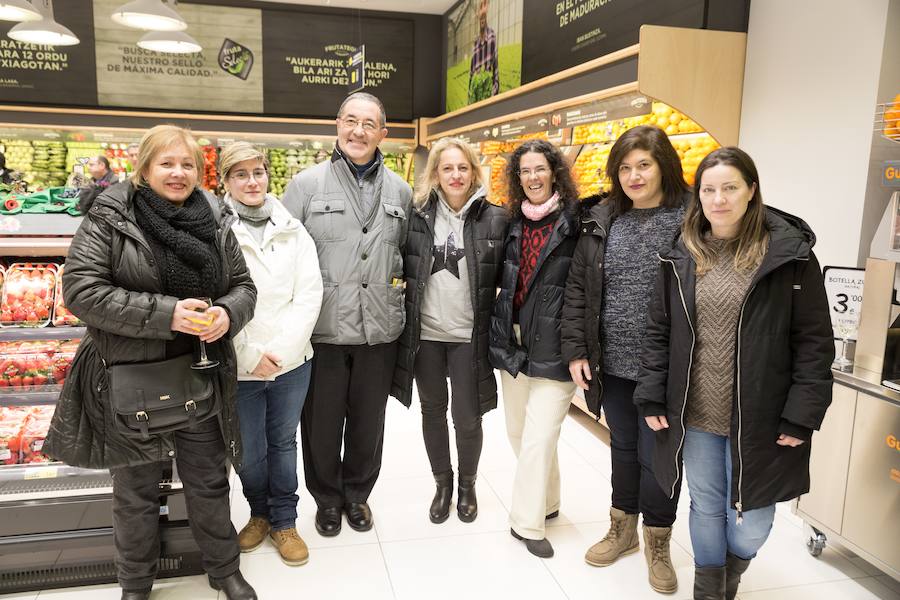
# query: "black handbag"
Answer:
x=158 y=397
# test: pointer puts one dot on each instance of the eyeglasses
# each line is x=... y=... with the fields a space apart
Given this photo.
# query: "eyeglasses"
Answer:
x=538 y=172
x=351 y=124
x=244 y=176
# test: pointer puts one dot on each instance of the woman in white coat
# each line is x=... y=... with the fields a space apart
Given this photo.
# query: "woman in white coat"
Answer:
x=273 y=350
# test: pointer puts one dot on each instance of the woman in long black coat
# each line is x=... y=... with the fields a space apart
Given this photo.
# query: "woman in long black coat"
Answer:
x=735 y=368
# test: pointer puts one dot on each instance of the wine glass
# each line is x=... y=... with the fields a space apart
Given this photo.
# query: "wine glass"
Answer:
x=844 y=331
x=206 y=320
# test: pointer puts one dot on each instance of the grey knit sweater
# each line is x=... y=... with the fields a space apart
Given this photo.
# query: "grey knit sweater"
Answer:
x=719 y=295
x=629 y=271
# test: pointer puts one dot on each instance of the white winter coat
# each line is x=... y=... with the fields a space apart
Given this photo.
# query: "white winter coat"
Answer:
x=286 y=272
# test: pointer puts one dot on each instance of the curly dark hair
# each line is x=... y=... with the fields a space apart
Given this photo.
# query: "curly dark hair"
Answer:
x=563 y=183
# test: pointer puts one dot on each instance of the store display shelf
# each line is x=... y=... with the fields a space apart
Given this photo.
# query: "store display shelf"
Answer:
x=18 y=334
x=45 y=394
x=40 y=481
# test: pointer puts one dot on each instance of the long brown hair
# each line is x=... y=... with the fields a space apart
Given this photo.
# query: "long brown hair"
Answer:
x=752 y=240
x=655 y=141
x=563 y=183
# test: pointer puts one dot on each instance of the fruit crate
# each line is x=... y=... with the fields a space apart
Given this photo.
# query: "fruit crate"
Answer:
x=27 y=295
x=62 y=317
x=887 y=119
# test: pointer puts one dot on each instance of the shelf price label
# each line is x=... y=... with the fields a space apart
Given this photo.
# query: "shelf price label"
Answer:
x=844 y=288
x=41 y=473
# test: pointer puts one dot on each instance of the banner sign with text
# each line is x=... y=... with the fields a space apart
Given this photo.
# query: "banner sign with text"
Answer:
x=225 y=76
x=306 y=62
x=558 y=34
x=53 y=75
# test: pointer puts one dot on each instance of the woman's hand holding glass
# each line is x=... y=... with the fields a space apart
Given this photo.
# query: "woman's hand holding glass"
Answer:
x=210 y=325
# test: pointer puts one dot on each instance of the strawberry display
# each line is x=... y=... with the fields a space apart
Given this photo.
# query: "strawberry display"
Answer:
x=28 y=295
x=22 y=434
x=25 y=370
x=210 y=174
x=9 y=442
x=59 y=370
x=61 y=315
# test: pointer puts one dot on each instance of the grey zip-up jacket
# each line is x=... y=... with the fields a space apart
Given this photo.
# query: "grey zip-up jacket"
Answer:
x=360 y=255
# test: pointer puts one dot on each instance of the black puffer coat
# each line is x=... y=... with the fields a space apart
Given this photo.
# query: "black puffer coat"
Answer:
x=584 y=297
x=111 y=284
x=484 y=232
x=782 y=372
x=539 y=354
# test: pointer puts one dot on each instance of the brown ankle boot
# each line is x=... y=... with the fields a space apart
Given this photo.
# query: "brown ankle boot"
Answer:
x=620 y=540
x=253 y=534
x=659 y=561
x=291 y=547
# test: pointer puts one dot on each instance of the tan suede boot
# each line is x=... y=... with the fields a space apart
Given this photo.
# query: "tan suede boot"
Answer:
x=659 y=561
x=253 y=534
x=620 y=540
x=290 y=546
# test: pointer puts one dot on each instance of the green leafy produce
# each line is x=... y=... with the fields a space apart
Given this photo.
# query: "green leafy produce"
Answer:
x=480 y=85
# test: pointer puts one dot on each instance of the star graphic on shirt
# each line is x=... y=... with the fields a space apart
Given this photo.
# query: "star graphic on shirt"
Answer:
x=447 y=256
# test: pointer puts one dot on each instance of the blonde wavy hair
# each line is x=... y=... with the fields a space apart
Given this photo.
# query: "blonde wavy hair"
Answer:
x=163 y=137
x=430 y=182
x=752 y=240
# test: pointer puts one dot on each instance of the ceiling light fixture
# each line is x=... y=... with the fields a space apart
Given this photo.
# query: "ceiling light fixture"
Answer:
x=172 y=42
x=46 y=31
x=18 y=10
x=153 y=15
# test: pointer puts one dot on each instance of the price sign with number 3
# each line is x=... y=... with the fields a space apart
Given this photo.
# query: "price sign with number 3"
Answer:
x=844 y=288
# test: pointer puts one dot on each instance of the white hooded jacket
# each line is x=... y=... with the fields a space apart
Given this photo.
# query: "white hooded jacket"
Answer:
x=285 y=269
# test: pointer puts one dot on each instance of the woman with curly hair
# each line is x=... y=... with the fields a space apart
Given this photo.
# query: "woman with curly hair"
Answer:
x=525 y=331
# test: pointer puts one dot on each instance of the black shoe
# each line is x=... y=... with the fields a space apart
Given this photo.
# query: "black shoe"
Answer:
x=136 y=594
x=440 y=505
x=234 y=586
x=466 y=502
x=328 y=521
x=359 y=515
x=540 y=548
x=552 y=515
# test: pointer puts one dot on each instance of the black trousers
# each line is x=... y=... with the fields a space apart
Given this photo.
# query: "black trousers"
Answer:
x=435 y=361
x=635 y=489
x=200 y=457
x=345 y=405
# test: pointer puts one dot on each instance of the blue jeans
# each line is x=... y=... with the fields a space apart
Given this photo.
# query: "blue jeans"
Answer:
x=269 y=412
x=713 y=522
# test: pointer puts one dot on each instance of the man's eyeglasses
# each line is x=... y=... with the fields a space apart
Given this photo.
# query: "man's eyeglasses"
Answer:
x=244 y=176
x=351 y=124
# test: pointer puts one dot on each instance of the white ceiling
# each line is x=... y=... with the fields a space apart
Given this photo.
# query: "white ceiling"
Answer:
x=434 y=7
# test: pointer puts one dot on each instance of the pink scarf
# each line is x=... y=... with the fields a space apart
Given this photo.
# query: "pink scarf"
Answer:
x=536 y=212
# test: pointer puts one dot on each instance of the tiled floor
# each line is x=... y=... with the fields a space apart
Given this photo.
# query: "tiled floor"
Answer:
x=407 y=557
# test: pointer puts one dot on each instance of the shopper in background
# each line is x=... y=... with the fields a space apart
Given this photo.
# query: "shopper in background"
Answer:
x=452 y=259
x=735 y=370
x=132 y=152
x=140 y=261
x=356 y=210
x=101 y=178
x=5 y=175
x=525 y=339
x=605 y=314
x=273 y=350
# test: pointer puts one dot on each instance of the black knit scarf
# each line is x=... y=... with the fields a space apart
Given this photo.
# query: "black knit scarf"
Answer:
x=184 y=243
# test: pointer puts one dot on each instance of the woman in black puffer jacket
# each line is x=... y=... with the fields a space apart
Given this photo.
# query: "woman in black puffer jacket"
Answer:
x=141 y=259
x=525 y=331
x=452 y=258
x=735 y=368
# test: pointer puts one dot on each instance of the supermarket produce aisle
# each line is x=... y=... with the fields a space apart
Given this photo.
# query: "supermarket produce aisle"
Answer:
x=407 y=557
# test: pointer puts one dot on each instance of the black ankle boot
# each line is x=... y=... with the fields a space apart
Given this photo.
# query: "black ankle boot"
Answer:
x=709 y=583
x=136 y=594
x=440 y=505
x=466 y=502
x=234 y=586
x=734 y=568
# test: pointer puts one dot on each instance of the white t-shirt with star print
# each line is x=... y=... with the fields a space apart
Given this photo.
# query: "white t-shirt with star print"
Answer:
x=446 y=312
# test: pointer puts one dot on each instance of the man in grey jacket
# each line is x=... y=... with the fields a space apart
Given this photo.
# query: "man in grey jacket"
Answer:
x=356 y=211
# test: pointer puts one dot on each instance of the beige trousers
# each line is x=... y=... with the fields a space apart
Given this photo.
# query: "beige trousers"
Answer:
x=535 y=409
